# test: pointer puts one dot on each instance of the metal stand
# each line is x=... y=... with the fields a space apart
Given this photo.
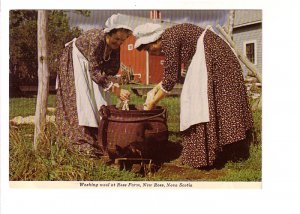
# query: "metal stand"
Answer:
x=146 y=166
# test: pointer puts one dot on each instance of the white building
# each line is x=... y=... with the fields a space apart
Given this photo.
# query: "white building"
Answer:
x=247 y=35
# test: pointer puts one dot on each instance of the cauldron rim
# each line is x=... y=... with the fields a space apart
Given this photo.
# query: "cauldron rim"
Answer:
x=113 y=114
x=135 y=109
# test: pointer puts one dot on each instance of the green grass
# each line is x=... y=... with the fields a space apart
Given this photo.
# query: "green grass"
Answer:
x=249 y=170
x=53 y=161
x=25 y=106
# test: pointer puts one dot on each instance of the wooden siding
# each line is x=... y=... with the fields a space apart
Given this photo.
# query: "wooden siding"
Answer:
x=246 y=17
x=249 y=33
x=133 y=58
x=156 y=69
x=137 y=61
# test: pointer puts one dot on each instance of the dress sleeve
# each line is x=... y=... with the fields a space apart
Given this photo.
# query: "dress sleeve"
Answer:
x=92 y=47
x=172 y=64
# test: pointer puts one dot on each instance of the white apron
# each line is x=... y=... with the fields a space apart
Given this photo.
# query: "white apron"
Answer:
x=89 y=95
x=194 y=98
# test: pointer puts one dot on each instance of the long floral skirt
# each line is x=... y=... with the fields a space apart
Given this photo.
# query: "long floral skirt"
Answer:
x=80 y=137
x=230 y=117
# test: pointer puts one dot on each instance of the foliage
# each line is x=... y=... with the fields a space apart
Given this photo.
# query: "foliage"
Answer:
x=53 y=161
x=23 y=43
x=257 y=124
x=22 y=46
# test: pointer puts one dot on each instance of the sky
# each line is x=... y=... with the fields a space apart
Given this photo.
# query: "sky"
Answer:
x=198 y=17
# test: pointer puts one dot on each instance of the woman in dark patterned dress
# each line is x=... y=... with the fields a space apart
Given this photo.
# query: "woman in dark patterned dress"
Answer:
x=84 y=82
x=228 y=115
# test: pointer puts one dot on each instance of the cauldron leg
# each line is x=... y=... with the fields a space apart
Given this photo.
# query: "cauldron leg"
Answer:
x=148 y=167
x=123 y=164
x=153 y=167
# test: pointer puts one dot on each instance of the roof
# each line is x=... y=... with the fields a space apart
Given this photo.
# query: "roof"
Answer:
x=247 y=17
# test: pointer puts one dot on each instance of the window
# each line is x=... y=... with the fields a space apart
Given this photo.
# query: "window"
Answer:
x=250 y=51
x=130 y=47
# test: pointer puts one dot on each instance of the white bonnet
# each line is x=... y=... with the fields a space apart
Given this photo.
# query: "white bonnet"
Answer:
x=147 y=33
x=114 y=22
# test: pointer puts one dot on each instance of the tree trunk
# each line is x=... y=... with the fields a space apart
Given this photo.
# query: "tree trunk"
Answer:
x=43 y=78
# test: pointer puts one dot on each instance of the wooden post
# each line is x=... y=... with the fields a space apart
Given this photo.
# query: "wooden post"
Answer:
x=43 y=78
x=231 y=23
x=248 y=64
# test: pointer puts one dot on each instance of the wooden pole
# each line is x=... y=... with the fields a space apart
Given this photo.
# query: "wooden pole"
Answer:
x=248 y=64
x=231 y=23
x=43 y=78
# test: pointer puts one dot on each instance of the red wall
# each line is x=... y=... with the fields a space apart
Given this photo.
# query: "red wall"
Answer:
x=137 y=61
x=156 y=69
x=133 y=58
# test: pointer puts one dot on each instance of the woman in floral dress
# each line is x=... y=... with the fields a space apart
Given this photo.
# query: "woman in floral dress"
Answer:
x=228 y=119
x=86 y=68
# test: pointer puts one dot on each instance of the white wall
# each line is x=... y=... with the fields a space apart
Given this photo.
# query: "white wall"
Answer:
x=249 y=33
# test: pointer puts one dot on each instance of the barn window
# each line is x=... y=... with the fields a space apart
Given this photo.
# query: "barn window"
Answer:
x=250 y=51
x=130 y=47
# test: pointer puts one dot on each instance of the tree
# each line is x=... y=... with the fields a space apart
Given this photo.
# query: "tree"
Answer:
x=59 y=34
x=23 y=46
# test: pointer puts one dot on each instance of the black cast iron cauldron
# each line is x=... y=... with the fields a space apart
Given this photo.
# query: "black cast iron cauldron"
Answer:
x=132 y=134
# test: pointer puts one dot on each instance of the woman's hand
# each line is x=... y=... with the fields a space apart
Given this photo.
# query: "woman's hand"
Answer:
x=124 y=94
x=149 y=106
x=153 y=99
x=121 y=93
x=151 y=94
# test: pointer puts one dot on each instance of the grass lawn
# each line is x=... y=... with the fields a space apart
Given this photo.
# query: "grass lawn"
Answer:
x=53 y=161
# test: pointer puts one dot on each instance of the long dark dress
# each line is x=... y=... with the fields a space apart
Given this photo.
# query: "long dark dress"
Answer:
x=91 y=44
x=229 y=112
